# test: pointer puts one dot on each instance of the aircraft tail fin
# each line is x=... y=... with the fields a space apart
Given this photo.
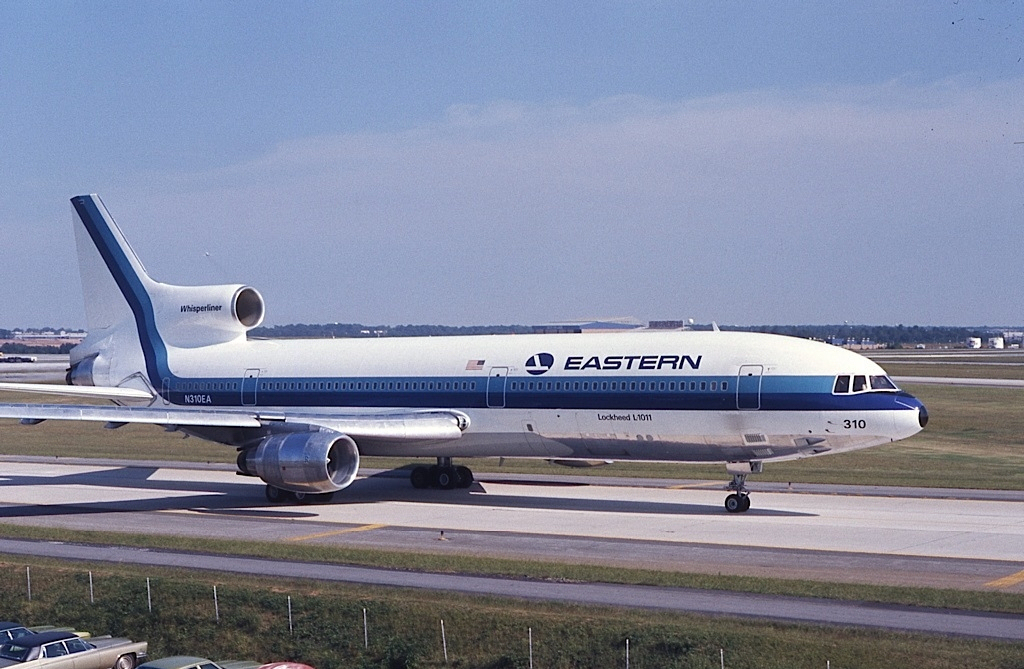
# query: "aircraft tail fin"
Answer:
x=108 y=265
x=129 y=311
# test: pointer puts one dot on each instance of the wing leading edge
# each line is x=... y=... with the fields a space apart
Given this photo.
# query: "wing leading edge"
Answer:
x=382 y=427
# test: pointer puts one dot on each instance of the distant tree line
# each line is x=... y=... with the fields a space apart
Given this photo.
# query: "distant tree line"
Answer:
x=20 y=348
x=335 y=330
x=890 y=335
x=12 y=348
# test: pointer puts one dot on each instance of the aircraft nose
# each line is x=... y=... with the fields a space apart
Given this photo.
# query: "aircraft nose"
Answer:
x=908 y=400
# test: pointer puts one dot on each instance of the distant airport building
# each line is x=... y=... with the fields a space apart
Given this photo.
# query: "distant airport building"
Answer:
x=49 y=334
x=1013 y=337
x=974 y=342
x=996 y=342
x=577 y=327
x=669 y=325
x=854 y=344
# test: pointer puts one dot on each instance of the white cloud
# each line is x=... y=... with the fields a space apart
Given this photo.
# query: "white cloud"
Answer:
x=883 y=204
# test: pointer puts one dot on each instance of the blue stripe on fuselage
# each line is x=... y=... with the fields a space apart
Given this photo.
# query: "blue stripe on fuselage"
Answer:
x=781 y=393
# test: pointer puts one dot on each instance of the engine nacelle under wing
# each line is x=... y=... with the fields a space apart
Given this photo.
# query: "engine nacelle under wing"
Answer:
x=309 y=462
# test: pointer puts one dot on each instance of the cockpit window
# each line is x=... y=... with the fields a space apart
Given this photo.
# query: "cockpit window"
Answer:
x=846 y=384
x=882 y=383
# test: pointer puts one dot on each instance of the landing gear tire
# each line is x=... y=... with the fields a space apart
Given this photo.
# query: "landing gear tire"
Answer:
x=735 y=503
x=275 y=494
x=447 y=478
x=301 y=497
x=465 y=476
x=420 y=478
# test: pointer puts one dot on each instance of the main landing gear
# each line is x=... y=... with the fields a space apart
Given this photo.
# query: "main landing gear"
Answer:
x=443 y=475
x=739 y=500
x=276 y=495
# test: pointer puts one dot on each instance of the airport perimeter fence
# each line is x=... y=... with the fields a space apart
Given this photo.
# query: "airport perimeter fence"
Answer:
x=329 y=626
x=189 y=617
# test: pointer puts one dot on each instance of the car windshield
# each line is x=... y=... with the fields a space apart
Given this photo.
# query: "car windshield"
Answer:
x=13 y=651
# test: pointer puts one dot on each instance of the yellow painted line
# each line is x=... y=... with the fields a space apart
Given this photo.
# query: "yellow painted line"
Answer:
x=707 y=484
x=1007 y=581
x=361 y=528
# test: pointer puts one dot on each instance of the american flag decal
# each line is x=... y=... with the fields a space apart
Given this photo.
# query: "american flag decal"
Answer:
x=475 y=365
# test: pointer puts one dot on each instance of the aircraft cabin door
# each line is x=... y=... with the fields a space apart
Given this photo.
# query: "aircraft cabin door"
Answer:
x=496 y=387
x=748 y=387
x=249 y=382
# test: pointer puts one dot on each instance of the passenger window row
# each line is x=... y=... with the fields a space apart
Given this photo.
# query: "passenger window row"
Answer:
x=348 y=386
x=619 y=386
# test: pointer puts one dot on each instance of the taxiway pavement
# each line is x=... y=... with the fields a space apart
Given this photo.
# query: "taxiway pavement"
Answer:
x=855 y=535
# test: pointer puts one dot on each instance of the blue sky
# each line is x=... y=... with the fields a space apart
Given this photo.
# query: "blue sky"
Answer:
x=469 y=163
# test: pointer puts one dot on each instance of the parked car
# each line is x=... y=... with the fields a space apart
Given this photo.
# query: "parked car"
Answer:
x=10 y=631
x=189 y=662
x=66 y=650
x=36 y=629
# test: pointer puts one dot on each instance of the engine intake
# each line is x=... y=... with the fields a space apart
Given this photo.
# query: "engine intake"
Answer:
x=193 y=316
x=309 y=462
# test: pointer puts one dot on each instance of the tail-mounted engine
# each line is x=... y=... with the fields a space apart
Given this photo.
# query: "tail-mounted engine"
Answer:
x=306 y=462
x=191 y=316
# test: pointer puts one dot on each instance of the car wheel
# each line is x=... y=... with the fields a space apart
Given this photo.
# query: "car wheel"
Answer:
x=125 y=662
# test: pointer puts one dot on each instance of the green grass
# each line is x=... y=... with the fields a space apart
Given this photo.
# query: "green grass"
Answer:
x=404 y=626
x=974 y=371
x=538 y=570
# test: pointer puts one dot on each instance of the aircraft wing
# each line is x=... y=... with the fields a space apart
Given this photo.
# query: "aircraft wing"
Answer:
x=377 y=426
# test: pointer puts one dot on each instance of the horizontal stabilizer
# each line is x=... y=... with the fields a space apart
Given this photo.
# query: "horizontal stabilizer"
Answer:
x=99 y=392
x=115 y=414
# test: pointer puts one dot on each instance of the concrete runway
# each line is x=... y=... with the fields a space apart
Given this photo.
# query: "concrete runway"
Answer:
x=859 y=536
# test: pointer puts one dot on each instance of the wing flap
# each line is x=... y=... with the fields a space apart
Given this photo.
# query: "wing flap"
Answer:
x=405 y=427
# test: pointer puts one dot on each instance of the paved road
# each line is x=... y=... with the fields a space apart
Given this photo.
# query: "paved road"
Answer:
x=683 y=600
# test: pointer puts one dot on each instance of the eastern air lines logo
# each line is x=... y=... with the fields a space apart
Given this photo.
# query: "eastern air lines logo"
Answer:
x=540 y=363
